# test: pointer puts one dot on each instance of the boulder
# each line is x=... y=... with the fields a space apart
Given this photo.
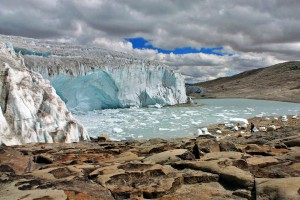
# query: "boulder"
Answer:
x=166 y=156
x=228 y=174
x=20 y=190
x=149 y=180
x=228 y=146
x=292 y=141
x=224 y=154
x=282 y=188
x=204 y=191
x=261 y=161
x=195 y=176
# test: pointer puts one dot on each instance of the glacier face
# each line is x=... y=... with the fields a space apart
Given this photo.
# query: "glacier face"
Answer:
x=90 y=87
x=93 y=78
x=30 y=110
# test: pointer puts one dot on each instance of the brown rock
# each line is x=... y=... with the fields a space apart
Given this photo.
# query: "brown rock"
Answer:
x=227 y=173
x=203 y=191
x=196 y=176
x=224 y=154
x=228 y=146
x=283 y=188
x=262 y=161
x=292 y=141
x=166 y=156
x=14 y=190
x=15 y=160
x=151 y=180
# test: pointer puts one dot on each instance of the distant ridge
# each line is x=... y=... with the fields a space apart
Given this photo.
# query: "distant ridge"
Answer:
x=280 y=82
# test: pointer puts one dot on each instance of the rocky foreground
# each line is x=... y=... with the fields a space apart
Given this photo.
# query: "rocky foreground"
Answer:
x=237 y=165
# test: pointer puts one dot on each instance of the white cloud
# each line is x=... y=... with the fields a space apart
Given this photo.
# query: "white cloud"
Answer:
x=257 y=33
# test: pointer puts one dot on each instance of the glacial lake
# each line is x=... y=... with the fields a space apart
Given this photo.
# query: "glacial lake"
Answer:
x=170 y=122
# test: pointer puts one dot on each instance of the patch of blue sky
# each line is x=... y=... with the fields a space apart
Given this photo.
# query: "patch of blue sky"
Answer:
x=141 y=43
x=231 y=73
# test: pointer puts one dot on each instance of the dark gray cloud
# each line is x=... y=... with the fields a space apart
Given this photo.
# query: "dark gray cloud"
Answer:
x=256 y=32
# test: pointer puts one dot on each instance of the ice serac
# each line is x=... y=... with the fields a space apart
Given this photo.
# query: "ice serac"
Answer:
x=86 y=83
x=30 y=109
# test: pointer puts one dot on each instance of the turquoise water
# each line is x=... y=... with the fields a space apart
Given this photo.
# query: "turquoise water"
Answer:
x=177 y=121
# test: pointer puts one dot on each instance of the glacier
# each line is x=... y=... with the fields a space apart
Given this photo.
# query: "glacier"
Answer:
x=89 y=78
x=90 y=86
x=30 y=109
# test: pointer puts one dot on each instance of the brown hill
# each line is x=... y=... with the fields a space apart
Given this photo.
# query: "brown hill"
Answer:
x=280 y=82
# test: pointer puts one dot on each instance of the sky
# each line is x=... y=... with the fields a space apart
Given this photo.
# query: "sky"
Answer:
x=202 y=39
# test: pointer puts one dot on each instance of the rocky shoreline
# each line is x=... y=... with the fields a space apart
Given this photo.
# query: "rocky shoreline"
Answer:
x=235 y=165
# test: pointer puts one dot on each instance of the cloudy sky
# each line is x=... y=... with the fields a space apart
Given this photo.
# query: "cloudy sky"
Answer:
x=203 y=39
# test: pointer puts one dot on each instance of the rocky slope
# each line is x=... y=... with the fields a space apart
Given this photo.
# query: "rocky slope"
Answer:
x=239 y=165
x=279 y=82
x=93 y=78
x=30 y=110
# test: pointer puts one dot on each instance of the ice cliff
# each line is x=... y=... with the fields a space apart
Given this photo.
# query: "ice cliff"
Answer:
x=30 y=110
x=113 y=84
x=93 y=78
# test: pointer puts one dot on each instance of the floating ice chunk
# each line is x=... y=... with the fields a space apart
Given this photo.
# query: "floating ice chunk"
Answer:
x=133 y=107
x=244 y=125
x=199 y=132
x=205 y=131
x=251 y=109
x=260 y=115
x=235 y=128
x=262 y=128
x=196 y=123
x=228 y=125
x=117 y=130
x=129 y=137
x=163 y=129
x=238 y=121
x=155 y=106
x=294 y=117
x=284 y=118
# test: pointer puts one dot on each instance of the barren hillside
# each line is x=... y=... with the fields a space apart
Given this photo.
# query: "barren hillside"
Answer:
x=279 y=82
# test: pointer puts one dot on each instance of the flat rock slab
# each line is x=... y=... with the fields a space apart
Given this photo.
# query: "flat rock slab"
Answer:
x=204 y=191
x=14 y=190
x=148 y=180
x=262 y=161
x=230 y=174
x=18 y=162
x=283 y=188
x=224 y=154
x=166 y=156
x=195 y=176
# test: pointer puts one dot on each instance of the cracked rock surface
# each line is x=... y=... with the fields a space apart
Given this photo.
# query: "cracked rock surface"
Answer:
x=156 y=168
